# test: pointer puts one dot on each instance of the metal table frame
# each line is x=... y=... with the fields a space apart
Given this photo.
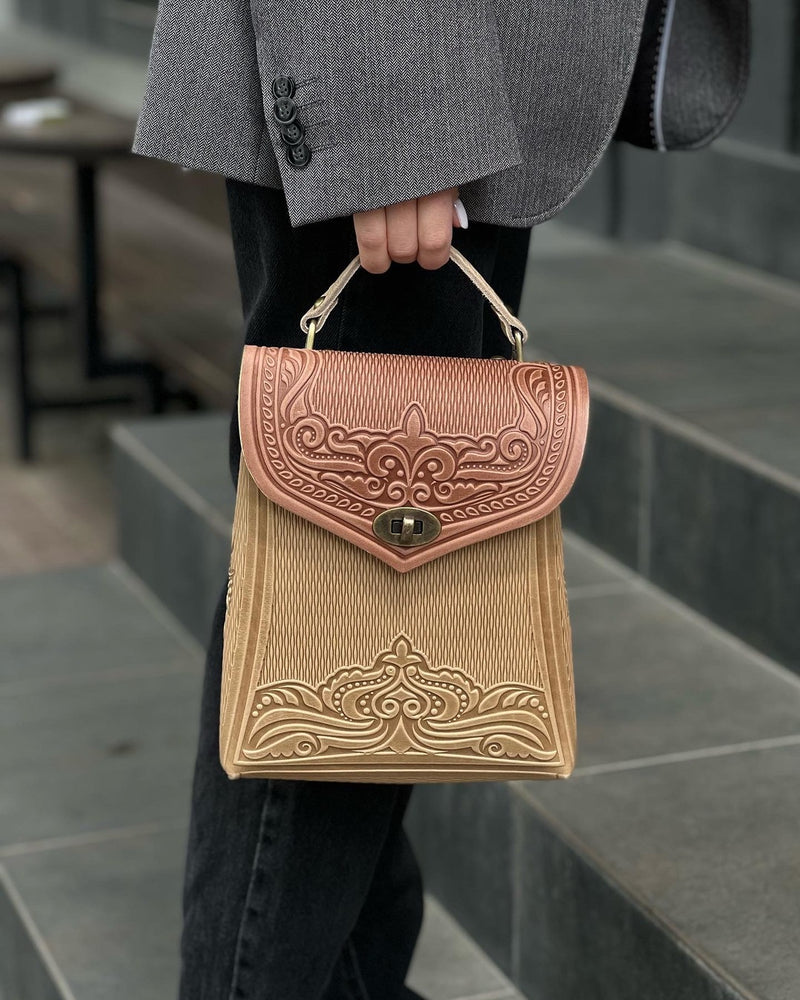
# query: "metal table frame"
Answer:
x=96 y=362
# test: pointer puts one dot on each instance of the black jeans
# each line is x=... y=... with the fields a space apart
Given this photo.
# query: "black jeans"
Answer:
x=309 y=890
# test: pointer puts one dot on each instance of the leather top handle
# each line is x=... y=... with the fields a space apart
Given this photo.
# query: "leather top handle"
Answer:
x=514 y=330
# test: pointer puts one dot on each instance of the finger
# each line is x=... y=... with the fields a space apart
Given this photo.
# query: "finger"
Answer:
x=435 y=228
x=401 y=231
x=371 y=238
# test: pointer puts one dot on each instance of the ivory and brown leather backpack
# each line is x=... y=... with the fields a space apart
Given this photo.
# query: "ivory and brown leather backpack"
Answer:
x=396 y=604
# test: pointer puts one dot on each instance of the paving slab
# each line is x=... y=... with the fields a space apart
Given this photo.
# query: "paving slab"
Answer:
x=175 y=509
x=580 y=935
x=692 y=468
x=769 y=430
x=725 y=539
x=96 y=755
x=65 y=624
x=97 y=691
x=191 y=452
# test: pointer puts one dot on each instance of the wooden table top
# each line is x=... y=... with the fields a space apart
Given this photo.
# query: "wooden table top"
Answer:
x=24 y=73
x=86 y=135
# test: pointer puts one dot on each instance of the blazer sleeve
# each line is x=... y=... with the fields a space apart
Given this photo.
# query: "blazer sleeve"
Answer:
x=372 y=102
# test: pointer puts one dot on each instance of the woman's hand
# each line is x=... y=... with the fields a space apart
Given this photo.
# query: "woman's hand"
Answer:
x=419 y=230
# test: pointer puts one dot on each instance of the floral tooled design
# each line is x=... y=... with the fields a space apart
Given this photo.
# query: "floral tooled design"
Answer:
x=400 y=705
x=410 y=462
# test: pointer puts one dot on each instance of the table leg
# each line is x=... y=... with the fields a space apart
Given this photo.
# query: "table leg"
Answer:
x=88 y=299
x=96 y=362
x=88 y=310
x=17 y=313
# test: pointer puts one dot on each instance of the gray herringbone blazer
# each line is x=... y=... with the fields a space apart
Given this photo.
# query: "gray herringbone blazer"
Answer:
x=513 y=101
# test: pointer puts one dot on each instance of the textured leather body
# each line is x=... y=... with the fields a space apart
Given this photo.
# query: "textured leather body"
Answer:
x=348 y=656
x=339 y=668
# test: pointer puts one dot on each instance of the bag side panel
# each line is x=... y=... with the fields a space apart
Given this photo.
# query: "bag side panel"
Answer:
x=551 y=631
x=249 y=603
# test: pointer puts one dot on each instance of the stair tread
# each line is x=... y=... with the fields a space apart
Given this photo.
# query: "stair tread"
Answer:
x=61 y=625
x=98 y=687
x=670 y=709
x=713 y=344
x=709 y=845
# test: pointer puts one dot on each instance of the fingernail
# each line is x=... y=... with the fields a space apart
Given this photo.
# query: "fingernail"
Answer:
x=461 y=213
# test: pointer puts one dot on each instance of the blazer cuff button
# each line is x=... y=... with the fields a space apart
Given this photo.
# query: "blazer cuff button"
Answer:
x=285 y=110
x=282 y=86
x=292 y=134
x=299 y=156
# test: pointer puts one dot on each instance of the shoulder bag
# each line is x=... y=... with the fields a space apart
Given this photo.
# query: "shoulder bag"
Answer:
x=396 y=603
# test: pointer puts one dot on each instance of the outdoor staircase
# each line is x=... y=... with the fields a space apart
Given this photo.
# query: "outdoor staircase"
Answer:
x=667 y=868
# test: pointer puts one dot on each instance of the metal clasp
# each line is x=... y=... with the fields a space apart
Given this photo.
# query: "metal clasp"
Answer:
x=517 y=350
x=406 y=526
x=312 y=325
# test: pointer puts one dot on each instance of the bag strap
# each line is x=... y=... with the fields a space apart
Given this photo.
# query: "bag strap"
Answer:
x=514 y=330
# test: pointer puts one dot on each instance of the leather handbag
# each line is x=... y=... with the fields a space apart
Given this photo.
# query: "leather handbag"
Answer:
x=396 y=605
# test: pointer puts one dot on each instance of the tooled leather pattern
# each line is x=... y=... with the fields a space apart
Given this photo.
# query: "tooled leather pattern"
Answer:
x=401 y=704
x=343 y=476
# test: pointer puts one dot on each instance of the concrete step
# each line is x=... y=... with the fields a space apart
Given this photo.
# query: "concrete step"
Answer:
x=692 y=469
x=738 y=199
x=98 y=687
x=666 y=868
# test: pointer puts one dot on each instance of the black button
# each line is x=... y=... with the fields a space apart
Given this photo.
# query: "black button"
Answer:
x=282 y=86
x=285 y=110
x=299 y=156
x=292 y=134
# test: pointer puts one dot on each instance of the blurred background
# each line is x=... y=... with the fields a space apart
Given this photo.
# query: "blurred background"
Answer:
x=669 y=866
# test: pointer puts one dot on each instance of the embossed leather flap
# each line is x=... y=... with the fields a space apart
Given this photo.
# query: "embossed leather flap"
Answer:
x=484 y=445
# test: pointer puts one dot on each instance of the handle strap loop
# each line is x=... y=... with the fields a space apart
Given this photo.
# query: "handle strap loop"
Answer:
x=515 y=332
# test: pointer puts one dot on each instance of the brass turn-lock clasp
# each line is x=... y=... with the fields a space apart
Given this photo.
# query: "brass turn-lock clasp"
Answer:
x=406 y=526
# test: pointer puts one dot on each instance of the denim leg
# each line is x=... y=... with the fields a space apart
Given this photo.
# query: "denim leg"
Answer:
x=278 y=873
x=380 y=949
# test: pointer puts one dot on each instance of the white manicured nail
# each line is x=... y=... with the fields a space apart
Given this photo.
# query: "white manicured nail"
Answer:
x=461 y=213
